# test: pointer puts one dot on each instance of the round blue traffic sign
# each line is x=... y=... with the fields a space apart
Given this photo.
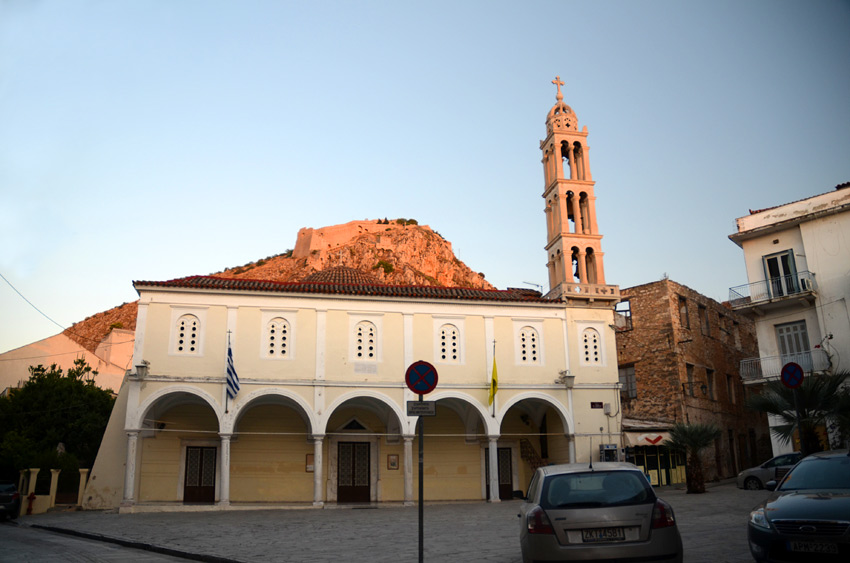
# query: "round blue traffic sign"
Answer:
x=421 y=377
x=792 y=375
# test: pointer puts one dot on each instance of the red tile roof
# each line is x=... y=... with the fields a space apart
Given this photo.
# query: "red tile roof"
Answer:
x=363 y=286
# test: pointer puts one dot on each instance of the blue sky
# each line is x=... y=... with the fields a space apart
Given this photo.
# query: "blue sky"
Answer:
x=148 y=140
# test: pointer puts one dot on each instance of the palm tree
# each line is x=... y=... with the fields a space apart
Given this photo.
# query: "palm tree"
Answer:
x=820 y=399
x=691 y=439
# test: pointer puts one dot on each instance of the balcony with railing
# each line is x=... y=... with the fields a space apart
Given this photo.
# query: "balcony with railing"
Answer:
x=755 y=370
x=773 y=290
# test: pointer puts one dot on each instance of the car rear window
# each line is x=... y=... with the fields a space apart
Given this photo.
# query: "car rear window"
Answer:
x=819 y=473
x=596 y=489
x=7 y=488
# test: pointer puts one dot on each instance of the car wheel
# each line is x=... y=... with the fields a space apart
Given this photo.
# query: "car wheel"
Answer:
x=752 y=484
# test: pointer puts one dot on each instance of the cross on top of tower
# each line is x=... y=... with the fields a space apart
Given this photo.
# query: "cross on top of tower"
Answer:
x=557 y=82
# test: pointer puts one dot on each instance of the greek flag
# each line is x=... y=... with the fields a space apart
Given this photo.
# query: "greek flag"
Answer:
x=232 y=378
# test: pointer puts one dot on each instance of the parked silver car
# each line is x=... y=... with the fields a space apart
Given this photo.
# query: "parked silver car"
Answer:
x=578 y=512
x=773 y=469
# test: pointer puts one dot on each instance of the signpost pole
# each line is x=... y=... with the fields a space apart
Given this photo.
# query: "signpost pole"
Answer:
x=421 y=487
x=792 y=377
x=421 y=378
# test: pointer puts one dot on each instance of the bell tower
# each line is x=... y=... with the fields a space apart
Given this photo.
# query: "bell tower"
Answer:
x=573 y=247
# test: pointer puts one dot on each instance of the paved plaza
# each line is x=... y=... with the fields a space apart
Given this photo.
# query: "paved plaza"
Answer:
x=713 y=529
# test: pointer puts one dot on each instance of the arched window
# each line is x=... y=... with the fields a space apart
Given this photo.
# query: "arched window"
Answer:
x=591 y=346
x=365 y=341
x=277 y=337
x=188 y=335
x=449 y=343
x=529 y=346
x=569 y=172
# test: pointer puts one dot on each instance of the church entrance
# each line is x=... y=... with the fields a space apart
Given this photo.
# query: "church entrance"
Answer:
x=353 y=472
x=199 y=484
x=505 y=472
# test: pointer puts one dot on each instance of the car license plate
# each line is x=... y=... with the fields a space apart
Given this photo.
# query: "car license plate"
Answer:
x=603 y=535
x=812 y=547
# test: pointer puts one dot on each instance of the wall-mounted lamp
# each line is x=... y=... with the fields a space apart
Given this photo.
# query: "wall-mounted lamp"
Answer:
x=142 y=369
x=703 y=388
x=566 y=378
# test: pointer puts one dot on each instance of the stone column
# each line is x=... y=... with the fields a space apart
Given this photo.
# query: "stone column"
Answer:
x=591 y=215
x=224 y=491
x=408 y=471
x=576 y=213
x=318 y=475
x=582 y=266
x=84 y=479
x=54 y=485
x=558 y=162
x=494 y=469
x=130 y=469
x=33 y=477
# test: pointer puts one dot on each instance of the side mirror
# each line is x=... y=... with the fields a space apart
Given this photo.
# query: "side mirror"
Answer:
x=770 y=485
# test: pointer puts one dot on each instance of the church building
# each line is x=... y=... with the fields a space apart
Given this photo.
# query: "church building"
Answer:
x=319 y=415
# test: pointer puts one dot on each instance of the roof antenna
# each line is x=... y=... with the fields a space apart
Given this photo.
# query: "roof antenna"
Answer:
x=591 y=452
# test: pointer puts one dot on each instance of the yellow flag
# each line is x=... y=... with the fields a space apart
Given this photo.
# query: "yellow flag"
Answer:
x=494 y=383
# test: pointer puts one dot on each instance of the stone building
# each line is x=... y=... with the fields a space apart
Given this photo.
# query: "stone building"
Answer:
x=320 y=416
x=679 y=354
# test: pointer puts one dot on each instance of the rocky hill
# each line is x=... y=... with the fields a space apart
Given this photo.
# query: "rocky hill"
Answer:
x=397 y=252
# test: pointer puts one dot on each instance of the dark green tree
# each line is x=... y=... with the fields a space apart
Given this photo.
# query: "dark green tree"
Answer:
x=822 y=401
x=690 y=440
x=56 y=418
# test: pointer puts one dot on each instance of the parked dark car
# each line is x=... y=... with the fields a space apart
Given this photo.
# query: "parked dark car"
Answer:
x=807 y=518
x=773 y=469
x=577 y=512
x=10 y=500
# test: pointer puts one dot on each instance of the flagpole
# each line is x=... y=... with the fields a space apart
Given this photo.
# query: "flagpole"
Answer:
x=491 y=379
x=226 y=392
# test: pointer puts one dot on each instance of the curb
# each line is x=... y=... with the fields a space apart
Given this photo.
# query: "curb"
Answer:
x=139 y=545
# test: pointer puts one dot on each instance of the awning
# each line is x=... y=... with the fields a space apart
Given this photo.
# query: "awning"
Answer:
x=646 y=438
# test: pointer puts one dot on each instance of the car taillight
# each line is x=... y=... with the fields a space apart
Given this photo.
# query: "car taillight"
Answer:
x=662 y=515
x=538 y=522
x=15 y=495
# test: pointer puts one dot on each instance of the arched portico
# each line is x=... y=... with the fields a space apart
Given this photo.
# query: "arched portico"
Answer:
x=271 y=433
x=364 y=432
x=173 y=448
x=538 y=431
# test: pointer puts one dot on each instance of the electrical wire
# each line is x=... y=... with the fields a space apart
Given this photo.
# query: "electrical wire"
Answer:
x=42 y=313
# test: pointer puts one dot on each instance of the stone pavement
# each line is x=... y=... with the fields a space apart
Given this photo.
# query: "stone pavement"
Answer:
x=713 y=528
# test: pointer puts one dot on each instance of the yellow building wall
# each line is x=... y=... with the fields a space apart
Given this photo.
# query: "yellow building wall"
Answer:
x=269 y=457
x=249 y=352
x=392 y=480
x=452 y=467
x=162 y=453
x=158 y=335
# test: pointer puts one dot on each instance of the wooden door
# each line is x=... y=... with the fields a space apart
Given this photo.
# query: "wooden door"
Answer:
x=199 y=484
x=353 y=472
